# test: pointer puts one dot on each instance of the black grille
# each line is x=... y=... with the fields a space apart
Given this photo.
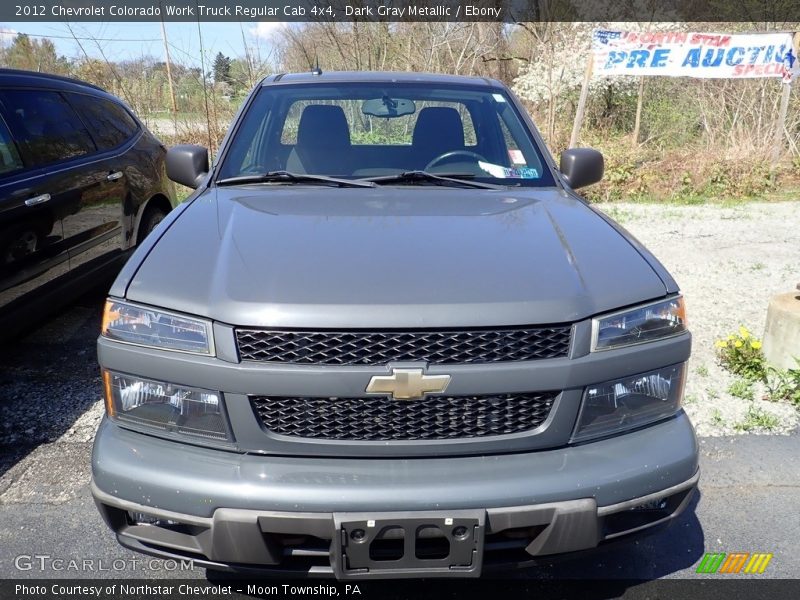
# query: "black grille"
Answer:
x=381 y=418
x=380 y=347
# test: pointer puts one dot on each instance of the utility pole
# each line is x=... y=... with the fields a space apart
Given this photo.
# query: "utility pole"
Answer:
x=169 y=68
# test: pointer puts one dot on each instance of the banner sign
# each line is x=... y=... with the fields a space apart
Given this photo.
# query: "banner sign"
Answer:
x=681 y=54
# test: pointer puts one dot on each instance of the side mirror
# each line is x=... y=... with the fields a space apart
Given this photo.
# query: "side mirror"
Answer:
x=187 y=164
x=581 y=166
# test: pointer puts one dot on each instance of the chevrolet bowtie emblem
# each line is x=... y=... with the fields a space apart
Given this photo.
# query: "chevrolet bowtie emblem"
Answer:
x=407 y=384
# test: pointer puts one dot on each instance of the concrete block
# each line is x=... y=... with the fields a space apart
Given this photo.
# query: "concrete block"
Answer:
x=782 y=333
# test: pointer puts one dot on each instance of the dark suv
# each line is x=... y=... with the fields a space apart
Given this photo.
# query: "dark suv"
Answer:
x=81 y=182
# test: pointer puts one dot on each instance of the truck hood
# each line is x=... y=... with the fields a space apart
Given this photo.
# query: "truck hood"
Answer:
x=410 y=256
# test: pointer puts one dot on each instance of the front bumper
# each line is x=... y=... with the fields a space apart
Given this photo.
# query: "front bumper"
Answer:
x=245 y=511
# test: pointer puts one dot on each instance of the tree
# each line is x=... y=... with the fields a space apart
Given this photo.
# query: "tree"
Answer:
x=222 y=69
x=34 y=55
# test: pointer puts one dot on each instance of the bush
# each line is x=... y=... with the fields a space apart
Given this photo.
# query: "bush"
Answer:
x=741 y=353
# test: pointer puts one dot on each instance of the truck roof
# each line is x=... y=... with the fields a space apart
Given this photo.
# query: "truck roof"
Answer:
x=377 y=77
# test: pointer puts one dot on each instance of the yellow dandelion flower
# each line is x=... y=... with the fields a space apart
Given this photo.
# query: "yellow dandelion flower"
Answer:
x=738 y=343
x=730 y=338
x=743 y=332
x=721 y=344
x=755 y=344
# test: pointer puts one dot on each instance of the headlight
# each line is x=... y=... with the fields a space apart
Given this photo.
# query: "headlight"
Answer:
x=145 y=326
x=631 y=402
x=644 y=323
x=165 y=407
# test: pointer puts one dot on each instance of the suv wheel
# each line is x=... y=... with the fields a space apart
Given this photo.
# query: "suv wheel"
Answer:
x=150 y=220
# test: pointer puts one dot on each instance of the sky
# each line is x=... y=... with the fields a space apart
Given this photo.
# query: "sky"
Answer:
x=129 y=40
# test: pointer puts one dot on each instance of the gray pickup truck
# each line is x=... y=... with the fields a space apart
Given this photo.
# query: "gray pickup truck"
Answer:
x=385 y=338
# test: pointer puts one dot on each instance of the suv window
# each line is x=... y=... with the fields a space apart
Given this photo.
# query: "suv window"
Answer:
x=110 y=123
x=45 y=126
x=9 y=156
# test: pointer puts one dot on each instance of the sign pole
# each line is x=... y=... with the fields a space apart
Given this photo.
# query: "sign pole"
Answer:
x=780 y=121
x=780 y=124
x=576 y=126
x=638 y=122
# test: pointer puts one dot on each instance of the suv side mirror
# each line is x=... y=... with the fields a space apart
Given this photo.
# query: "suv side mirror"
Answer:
x=187 y=164
x=581 y=166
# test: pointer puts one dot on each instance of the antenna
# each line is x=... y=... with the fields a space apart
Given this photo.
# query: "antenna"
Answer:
x=315 y=69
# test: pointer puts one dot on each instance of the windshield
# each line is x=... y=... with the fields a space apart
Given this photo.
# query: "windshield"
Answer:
x=374 y=130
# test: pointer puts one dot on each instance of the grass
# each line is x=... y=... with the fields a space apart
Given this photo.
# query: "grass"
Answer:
x=741 y=388
x=757 y=419
x=182 y=192
x=716 y=418
x=702 y=371
x=620 y=215
x=787 y=193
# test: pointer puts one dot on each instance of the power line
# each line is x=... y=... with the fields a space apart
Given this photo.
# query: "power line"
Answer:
x=78 y=39
x=70 y=37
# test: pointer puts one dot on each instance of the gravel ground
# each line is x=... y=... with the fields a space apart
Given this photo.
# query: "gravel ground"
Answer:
x=729 y=261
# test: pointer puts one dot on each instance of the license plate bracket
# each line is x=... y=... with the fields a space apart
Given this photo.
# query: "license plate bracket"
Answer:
x=408 y=544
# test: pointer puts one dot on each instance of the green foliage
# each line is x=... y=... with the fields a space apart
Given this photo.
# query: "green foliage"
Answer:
x=222 y=69
x=742 y=388
x=739 y=180
x=619 y=174
x=612 y=106
x=757 y=418
x=671 y=118
x=380 y=136
x=741 y=353
x=33 y=55
x=784 y=385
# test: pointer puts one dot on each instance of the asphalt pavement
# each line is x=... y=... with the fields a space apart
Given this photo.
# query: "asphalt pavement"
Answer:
x=748 y=497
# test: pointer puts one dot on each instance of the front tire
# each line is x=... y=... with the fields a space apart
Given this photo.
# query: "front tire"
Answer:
x=150 y=220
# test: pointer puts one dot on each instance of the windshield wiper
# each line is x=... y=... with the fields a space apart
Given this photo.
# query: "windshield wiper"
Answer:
x=450 y=179
x=289 y=177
